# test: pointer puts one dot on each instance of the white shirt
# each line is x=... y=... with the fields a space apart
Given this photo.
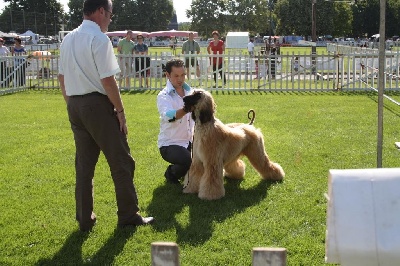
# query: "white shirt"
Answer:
x=4 y=52
x=173 y=132
x=86 y=57
x=250 y=47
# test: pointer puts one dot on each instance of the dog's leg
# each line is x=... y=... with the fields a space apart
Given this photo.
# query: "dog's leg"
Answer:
x=192 y=178
x=235 y=169
x=257 y=156
x=212 y=182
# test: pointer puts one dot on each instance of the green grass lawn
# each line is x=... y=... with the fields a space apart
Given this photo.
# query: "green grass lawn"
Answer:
x=307 y=133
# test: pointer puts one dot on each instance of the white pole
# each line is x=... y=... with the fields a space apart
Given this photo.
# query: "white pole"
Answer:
x=381 y=83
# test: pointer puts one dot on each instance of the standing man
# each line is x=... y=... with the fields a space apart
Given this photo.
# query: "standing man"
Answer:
x=250 y=47
x=191 y=47
x=96 y=114
x=125 y=48
x=176 y=123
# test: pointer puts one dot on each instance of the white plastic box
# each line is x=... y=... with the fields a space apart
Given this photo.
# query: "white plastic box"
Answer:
x=363 y=217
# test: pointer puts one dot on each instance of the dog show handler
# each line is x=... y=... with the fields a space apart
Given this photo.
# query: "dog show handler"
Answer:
x=176 y=124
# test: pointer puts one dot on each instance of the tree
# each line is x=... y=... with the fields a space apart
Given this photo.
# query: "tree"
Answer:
x=141 y=15
x=154 y=15
x=75 y=14
x=43 y=17
x=125 y=11
x=294 y=17
x=138 y=15
x=229 y=15
x=366 y=18
x=246 y=15
x=184 y=26
x=393 y=18
x=207 y=16
x=335 y=18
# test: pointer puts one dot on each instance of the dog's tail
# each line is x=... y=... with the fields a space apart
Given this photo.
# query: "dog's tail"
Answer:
x=252 y=117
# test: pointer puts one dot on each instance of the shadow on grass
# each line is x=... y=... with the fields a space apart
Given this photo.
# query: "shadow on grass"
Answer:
x=169 y=201
x=71 y=252
x=386 y=104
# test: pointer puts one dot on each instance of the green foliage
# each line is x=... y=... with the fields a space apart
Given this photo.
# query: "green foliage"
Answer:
x=393 y=17
x=337 y=18
x=207 y=16
x=247 y=15
x=224 y=16
x=44 y=17
x=75 y=14
x=295 y=17
x=278 y=17
x=184 y=26
x=141 y=15
x=149 y=15
x=307 y=133
x=366 y=18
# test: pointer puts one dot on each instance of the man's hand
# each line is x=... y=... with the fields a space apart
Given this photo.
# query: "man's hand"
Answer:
x=122 y=122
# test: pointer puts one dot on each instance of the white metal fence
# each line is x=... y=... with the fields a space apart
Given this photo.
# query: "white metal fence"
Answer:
x=356 y=70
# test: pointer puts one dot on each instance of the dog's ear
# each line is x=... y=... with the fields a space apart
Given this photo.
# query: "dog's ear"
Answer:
x=188 y=103
x=197 y=96
x=193 y=116
x=192 y=100
x=205 y=116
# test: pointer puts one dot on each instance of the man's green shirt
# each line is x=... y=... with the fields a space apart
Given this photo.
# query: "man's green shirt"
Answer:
x=190 y=47
x=126 y=46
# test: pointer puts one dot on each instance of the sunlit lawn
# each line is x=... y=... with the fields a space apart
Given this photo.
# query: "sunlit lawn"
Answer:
x=307 y=133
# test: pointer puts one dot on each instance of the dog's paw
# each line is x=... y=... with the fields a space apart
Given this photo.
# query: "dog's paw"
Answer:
x=188 y=190
x=211 y=196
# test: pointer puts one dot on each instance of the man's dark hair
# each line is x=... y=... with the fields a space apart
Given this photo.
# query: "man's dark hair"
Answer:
x=173 y=63
x=90 y=6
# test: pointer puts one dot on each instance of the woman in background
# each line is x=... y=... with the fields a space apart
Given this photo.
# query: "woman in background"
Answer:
x=217 y=46
x=142 y=63
x=18 y=48
x=19 y=62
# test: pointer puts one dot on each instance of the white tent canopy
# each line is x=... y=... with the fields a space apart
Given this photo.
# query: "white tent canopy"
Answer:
x=35 y=37
x=237 y=40
x=122 y=33
x=6 y=35
x=28 y=33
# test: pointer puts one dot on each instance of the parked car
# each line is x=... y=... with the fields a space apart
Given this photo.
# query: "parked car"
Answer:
x=8 y=41
x=46 y=41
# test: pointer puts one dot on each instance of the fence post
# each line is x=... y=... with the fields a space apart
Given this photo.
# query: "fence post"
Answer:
x=269 y=257
x=164 y=253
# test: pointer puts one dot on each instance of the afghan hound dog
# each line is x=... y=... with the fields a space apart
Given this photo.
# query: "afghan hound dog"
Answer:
x=217 y=149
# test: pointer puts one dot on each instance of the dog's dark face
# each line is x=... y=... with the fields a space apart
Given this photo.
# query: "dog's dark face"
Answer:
x=191 y=100
x=202 y=106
